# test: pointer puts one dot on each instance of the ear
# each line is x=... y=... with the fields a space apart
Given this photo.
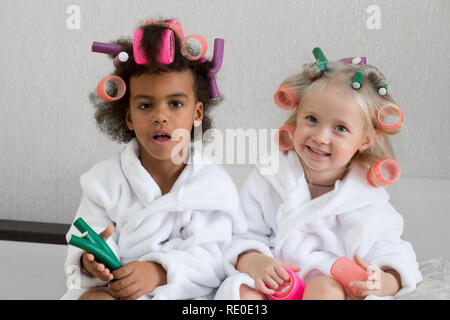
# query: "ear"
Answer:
x=198 y=115
x=128 y=120
x=366 y=143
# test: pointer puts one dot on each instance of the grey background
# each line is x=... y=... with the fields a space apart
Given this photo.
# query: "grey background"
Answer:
x=48 y=134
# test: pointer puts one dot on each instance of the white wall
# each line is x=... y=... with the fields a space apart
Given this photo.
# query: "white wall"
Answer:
x=48 y=135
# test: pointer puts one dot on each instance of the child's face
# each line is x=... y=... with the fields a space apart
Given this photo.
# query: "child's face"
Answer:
x=160 y=104
x=330 y=129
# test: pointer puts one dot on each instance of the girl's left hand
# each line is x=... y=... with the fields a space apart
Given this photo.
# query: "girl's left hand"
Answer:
x=137 y=278
x=379 y=283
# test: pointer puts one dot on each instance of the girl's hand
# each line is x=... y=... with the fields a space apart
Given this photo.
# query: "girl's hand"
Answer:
x=379 y=283
x=266 y=271
x=95 y=268
x=136 y=279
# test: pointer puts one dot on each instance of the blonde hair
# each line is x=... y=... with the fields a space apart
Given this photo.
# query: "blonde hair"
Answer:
x=339 y=76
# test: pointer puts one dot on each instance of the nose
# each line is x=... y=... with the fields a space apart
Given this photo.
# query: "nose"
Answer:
x=322 y=136
x=160 y=116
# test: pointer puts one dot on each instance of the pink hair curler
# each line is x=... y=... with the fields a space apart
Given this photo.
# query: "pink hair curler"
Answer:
x=345 y=270
x=173 y=24
x=167 y=47
x=121 y=88
x=176 y=26
x=383 y=173
x=390 y=117
x=354 y=60
x=290 y=290
x=284 y=137
x=166 y=51
x=285 y=98
x=203 y=43
x=138 y=52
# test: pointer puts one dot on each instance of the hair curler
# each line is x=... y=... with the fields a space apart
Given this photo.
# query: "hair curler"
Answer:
x=95 y=245
x=354 y=60
x=166 y=50
x=217 y=59
x=203 y=43
x=358 y=80
x=382 y=89
x=390 y=117
x=383 y=173
x=284 y=137
x=107 y=48
x=322 y=61
x=345 y=270
x=138 y=52
x=167 y=47
x=121 y=88
x=285 y=98
x=120 y=58
x=290 y=290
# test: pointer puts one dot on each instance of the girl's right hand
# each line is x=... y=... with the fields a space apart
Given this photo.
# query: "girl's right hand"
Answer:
x=91 y=265
x=266 y=271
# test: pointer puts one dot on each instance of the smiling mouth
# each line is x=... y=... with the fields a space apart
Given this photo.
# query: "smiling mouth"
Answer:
x=318 y=152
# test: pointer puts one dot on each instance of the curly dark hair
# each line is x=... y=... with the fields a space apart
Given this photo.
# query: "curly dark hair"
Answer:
x=110 y=115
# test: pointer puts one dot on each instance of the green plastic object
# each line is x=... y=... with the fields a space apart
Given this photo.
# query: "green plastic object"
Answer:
x=94 y=244
x=358 y=80
x=382 y=89
x=321 y=59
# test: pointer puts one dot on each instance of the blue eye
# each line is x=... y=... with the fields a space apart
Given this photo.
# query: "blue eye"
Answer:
x=341 y=128
x=311 y=119
x=176 y=104
x=145 y=106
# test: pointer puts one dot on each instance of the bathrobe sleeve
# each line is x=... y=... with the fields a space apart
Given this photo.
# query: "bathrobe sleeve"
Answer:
x=256 y=197
x=194 y=267
x=94 y=208
x=381 y=244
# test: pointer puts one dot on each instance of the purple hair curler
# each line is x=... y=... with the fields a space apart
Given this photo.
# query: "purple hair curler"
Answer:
x=107 y=48
x=120 y=58
x=354 y=60
x=219 y=45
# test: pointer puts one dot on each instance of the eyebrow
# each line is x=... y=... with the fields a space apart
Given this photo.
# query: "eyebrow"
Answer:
x=173 y=95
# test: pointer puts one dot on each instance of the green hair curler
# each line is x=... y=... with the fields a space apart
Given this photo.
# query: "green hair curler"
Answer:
x=95 y=245
x=358 y=80
x=321 y=59
x=382 y=89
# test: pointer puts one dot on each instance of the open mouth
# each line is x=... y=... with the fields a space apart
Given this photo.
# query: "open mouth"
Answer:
x=161 y=138
x=317 y=152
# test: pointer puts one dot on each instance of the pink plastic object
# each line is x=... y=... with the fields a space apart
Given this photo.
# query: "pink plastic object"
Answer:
x=285 y=98
x=354 y=60
x=383 y=173
x=203 y=43
x=290 y=290
x=284 y=137
x=167 y=48
x=390 y=117
x=173 y=24
x=121 y=88
x=138 y=52
x=345 y=270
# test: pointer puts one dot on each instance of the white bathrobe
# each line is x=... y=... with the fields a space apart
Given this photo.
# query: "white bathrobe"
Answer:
x=185 y=230
x=283 y=222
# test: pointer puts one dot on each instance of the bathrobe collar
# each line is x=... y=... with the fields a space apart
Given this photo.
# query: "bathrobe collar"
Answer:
x=140 y=180
x=353 y=192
